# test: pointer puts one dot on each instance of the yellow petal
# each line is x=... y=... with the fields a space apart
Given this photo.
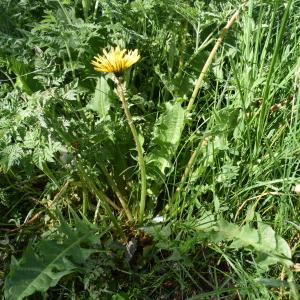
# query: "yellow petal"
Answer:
x=116 y=60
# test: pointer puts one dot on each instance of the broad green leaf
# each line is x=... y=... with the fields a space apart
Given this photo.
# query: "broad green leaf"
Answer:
x=101 y=102
x=277 y=245
x=270 y=247
x=206 y=222
x=273 y=282
x=25 y=77
x=42 y=266
x=247 y=237
x=225 y=231
x=120 y=297
x=165 y=140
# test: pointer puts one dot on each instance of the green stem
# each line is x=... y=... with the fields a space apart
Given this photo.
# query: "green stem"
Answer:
x=102 y=198
x=209 y=60
x=96 y=9
x=196 y=90
x=182 y=49
x=49 y=173
x=139 y=149
x=85 y=201
x=267 y=86
x=115 y=188
x=8 y=77
x=187 y=171
x=85 y=8
x=64 y=12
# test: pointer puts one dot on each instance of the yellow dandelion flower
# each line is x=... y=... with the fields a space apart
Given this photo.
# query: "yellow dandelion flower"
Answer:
x=116 y=60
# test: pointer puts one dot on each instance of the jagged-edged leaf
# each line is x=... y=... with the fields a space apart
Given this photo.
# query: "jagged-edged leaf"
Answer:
x=165 y=140
x=101 y=102
x=11 y=155
x=44 y=264
x=45 y=152
x=279 y=247
x=271 y=248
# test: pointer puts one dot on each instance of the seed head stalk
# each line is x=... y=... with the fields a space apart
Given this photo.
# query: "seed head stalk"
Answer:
x=210 y=58
x=197 y=88
x=141 y=161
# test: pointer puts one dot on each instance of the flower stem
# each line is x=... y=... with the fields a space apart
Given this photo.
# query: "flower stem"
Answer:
x=141 y=161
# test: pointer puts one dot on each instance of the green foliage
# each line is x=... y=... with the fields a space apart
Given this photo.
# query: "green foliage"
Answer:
x=270 y=247
x=164 y=143
x=101 y=102
x=43 y=265
x=64 y=141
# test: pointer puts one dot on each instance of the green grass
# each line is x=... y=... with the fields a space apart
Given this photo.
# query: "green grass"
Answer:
x=220 y=168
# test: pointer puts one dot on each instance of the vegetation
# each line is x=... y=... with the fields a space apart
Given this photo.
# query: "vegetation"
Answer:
x=177 y=179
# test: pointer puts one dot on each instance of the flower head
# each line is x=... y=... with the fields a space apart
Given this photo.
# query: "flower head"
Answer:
x=116 y=60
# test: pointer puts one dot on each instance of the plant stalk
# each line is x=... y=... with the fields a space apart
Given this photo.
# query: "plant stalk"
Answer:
x=199 y=82
x=115 y=188
x=198 y=86
x=141 y=161
x=267 y=86
x=102 y=198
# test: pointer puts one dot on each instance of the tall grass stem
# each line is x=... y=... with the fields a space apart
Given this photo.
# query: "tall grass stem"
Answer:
x=266 y=91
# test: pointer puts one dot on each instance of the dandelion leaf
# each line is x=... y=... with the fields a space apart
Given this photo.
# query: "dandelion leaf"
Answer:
x=269 y=246
x=165 y=140
x=43 y=265
x=101 y=101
